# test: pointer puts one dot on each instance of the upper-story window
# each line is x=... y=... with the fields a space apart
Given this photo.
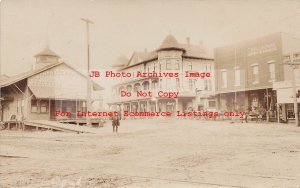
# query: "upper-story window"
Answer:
x=160 y=83
x=176 y=65
x=169 y=83
x=177 y=83
x=255 y=74
x=191 y=84
x=224 y=78
x=155 y=67
x=168 y=64
x=271 y=66
x=208 y=84
x=237 y=76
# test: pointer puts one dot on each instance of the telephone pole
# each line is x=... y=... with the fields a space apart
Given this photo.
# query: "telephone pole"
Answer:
x=88 y=105
x=293 y=60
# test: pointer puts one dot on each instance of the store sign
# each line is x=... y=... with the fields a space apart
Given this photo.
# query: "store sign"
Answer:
x=261 y=49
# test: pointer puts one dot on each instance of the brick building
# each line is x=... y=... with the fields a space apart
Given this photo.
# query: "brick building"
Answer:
x=246 y=71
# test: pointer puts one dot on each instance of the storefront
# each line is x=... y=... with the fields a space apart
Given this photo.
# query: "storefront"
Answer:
x=285 y=99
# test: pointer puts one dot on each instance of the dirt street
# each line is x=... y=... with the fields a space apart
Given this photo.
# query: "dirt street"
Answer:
x=167 y=153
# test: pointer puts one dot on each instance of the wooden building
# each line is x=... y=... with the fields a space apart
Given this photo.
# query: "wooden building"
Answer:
x=50 y=86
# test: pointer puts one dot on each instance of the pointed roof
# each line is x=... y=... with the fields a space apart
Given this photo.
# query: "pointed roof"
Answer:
x=47 y=52
x=25 y=75
x=170 y=43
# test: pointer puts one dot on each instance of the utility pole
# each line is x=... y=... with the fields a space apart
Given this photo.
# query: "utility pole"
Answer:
x=294 y=61
x=88 y=105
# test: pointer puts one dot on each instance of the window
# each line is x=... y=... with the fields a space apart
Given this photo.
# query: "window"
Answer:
x=154 y=85
x=168 y=64
x=169 y=84
x=191 y=84
x=255 y=74
x=160 y=83
x=211 y=104
x=177 y=83
x=84 y=108
x=176 y=65
x=209 y=85
x=44 y=106
x=237 y=76
x=272 y=71
x=34 y=106
x=224 y=79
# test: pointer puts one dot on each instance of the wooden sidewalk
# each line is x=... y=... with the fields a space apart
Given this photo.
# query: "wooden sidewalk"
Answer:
x=53 y=125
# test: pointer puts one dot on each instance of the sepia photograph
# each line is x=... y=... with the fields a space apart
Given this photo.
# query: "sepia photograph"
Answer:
x=150 y=94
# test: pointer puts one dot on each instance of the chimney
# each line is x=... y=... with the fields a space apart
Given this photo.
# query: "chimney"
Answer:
x=188 y=41
x=145 y=50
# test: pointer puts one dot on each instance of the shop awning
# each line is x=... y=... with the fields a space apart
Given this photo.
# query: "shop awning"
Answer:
x=285 y=95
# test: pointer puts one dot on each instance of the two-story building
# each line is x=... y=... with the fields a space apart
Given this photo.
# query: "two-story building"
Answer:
x=246 y=71
x=194 y=93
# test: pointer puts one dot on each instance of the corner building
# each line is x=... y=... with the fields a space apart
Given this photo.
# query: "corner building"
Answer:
x=246 y=73
x=171 y=57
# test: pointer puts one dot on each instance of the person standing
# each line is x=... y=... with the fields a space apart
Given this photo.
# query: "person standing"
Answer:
x=115 y=123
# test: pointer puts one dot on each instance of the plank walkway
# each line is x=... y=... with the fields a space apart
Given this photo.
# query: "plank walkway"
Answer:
x=53 y=125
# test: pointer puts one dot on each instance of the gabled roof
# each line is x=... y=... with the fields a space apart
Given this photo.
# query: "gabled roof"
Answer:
x=169 y=43
x=47 y=52
x=141 y=57
x=195 y=51
x=25 y=75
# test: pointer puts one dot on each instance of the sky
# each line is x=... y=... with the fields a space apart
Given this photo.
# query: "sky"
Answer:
x=122 y=27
